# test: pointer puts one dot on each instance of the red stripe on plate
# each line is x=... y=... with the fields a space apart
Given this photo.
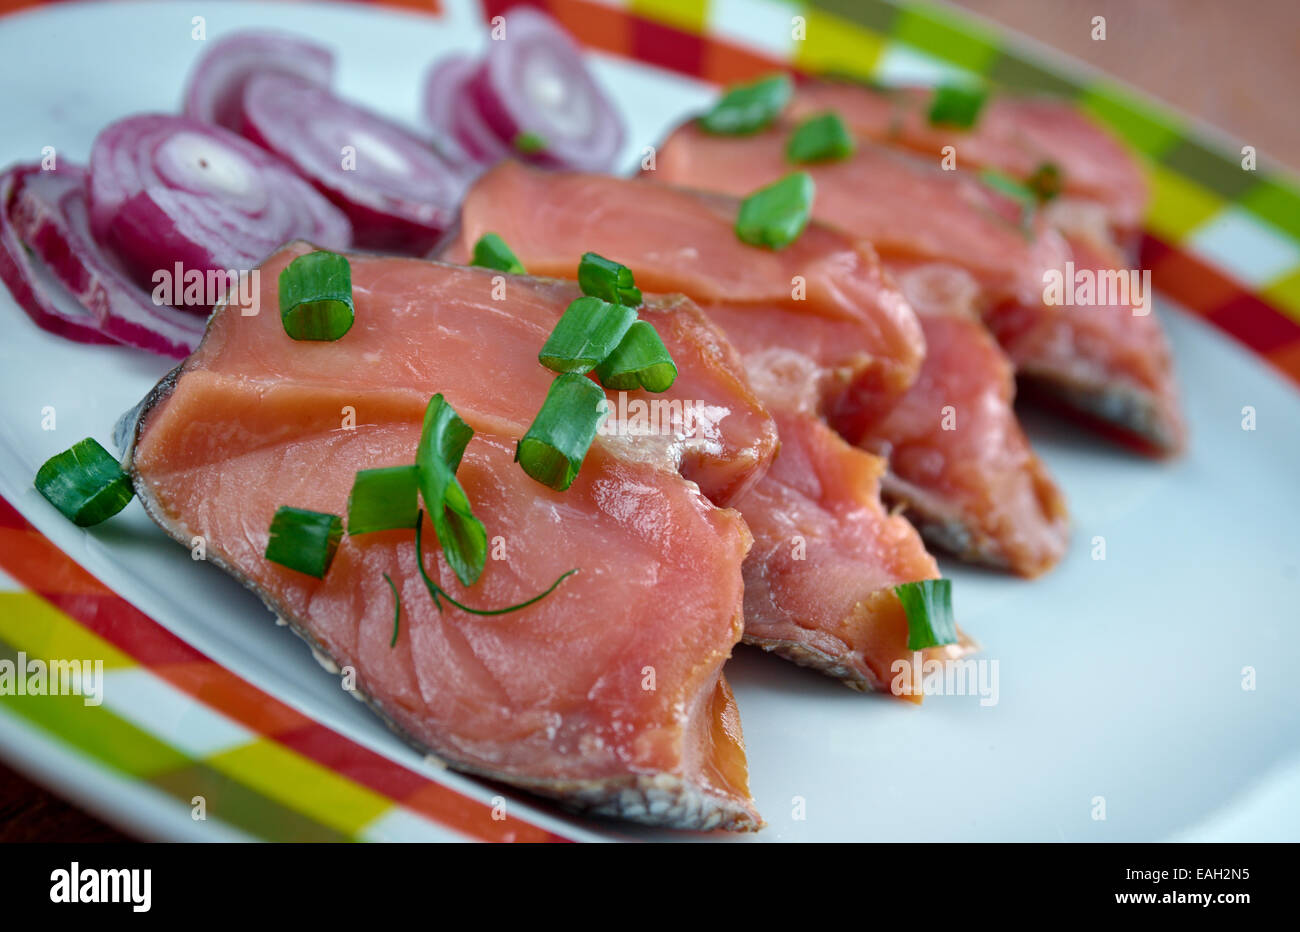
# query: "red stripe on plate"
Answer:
x=674 y=49
x=124 y=626
x=1255 y=323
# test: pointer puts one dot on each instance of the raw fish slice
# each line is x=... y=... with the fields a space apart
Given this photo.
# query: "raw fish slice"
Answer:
x=1015 y=134
x=1103 y=361
x=823 y=293
x=606 y=695
x=476 y=332
x=819 y=581
x=958 y=458
x=905 y=208
x=1109 y=360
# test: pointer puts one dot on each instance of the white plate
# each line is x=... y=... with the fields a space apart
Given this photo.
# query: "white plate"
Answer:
x=1118 y=678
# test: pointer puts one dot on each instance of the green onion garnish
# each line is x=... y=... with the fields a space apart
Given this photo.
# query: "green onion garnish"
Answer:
x=774 y=216
x=442 y=443
x=383 y=499
x=529 y=143
x=928 y=604
x=1009 y=187
x=304 y=540
x=588 y=331
x=1046 y=182
x=85 y=483
x=747 y=108
x=553 y=448
x=435 y=590
x=397 y=607
x=640 y=361
x=316 y=296
x=821 y=138
x=607 y=280
x=957 y=105
x=491 y=252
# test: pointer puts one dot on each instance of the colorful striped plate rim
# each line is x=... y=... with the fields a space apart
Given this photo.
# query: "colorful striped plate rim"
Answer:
x=1222 y=242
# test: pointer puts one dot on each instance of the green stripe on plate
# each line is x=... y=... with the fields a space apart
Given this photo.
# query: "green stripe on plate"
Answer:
x=93 y=730
x=1214 y=170
x=1277 y=201
x=304 y=785
x=235 y=804
x=876 y=15
x=1020 y=74
x=1143 y=126
x=949 y=36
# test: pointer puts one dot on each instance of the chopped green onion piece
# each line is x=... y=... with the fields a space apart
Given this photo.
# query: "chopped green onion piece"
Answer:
x=397 y=608
x=957 y=105
x=85 y=483
x=640 y=361
x=435 y=590
x=774 y=216
x=589 y=330
x=304 y=540
x=553 y=448
x=491 y=252
x=442 y=444
x=1009 y=187
x=1046 y=182
x=608 y=280
x=316 y=296
x=748 y=108
x=529 y=143
x=383 y=499
x=928 y=604
x=821 y=138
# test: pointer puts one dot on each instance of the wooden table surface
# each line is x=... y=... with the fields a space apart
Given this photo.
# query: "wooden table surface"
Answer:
x=1235 y=65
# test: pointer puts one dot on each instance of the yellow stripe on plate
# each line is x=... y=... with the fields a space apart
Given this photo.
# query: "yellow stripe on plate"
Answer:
x=688 y=15
x=1284 y=294
x=302 y=784
x=1178 y=205
x=30 y=624
x=836 y=46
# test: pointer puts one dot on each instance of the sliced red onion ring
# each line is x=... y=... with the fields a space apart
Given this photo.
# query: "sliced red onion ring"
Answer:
x=398 y=192
x=216 y=88
x=166 y=189
x=534 y=81
x=31 y=285
x=47 y=213
x=449 y=108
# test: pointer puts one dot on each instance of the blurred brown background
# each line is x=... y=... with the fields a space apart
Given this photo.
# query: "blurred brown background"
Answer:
x=1232 y=63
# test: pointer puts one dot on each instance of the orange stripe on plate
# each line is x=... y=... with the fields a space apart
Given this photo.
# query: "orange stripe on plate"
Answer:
x=1191 y=282
x=31 y=559
x=594 y=25
x=447 y=806
x=215 y=686
x=1287 y=359
x=725 y=63
x=431 y=7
